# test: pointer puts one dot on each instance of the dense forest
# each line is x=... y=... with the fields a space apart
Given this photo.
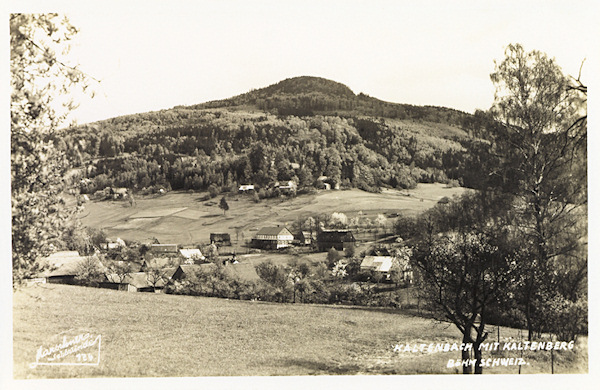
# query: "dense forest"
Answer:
x=300 y=129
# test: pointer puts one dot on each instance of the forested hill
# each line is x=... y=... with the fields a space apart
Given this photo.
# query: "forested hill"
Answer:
x=299 y=129
x=314 y=95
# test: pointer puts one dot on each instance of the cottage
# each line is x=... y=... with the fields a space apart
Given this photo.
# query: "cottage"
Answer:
x=220 y=239
x=381 y=264
x=384 y=265
x=273 y=238
x=62 y=267
x=337 y=239
x=191 y=255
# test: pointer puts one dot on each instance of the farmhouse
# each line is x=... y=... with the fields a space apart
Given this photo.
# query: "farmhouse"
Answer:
x=62 y=267
x=337 y=239
x=273 y=238
x=220 y=239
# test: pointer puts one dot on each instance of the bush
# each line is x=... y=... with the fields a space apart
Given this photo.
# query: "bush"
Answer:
x=452 y=184
x=332 y=257
x=213 y=191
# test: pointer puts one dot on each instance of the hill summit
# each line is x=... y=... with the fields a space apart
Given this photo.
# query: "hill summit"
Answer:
x=307 y=85
x=309 y=95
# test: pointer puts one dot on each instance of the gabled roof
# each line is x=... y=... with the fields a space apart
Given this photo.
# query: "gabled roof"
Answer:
x=62 y=264
x=274 y=231
x=377 y=263
x=190 y=253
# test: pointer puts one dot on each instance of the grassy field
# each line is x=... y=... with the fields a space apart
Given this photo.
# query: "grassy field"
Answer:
x=157 y=335
x=180 y=217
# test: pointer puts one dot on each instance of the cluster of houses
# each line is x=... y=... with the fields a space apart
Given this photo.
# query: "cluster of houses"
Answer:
x=174 y=262
x=279 y=237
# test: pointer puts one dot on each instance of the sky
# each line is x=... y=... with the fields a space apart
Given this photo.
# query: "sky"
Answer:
x=151 y=55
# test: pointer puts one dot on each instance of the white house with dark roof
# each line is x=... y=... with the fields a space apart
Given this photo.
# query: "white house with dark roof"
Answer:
x=273 y=238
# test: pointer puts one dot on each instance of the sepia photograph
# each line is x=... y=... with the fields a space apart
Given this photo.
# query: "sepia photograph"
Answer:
x=299 y=193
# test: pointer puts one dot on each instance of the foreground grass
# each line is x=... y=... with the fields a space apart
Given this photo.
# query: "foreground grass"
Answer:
x=156 y=335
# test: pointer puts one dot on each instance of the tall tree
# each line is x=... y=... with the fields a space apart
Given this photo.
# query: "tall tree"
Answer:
x=543 y=144
x=41 y=81
x=223 y=205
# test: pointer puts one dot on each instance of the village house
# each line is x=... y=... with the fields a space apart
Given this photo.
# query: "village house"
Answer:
x=305 y=238
x=273 y=238
x=62 y=267
x=192 y=255
x=384 y=264
x=380 y=264
x=340 y=240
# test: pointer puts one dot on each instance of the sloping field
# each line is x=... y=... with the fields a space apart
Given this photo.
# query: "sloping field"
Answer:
x=180 y=217
x=157 y=212
x=157 y=335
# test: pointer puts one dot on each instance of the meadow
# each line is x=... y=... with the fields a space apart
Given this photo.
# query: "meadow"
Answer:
x=159 y=335
x=183 y=218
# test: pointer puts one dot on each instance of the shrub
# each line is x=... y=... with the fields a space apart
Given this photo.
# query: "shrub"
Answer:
x=332 y=257
x=213 y=191
x=452 y=183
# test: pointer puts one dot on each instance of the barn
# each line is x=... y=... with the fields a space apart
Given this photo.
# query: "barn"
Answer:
x=62 y=267
x=340 y=239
